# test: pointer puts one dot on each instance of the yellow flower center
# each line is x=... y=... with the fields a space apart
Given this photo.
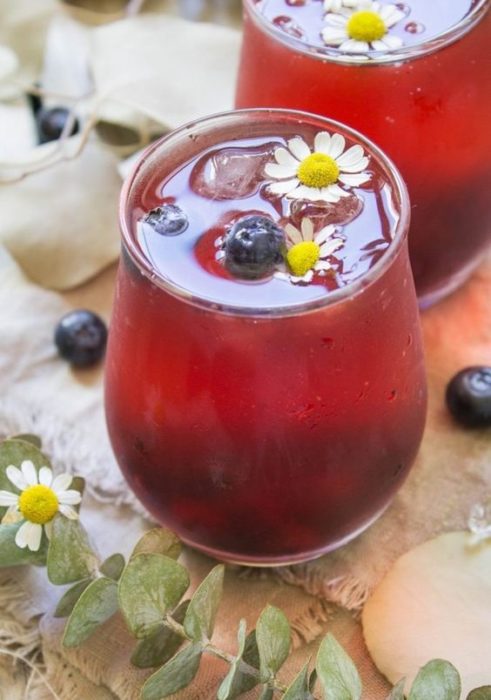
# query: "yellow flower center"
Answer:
x=38 y=504
x=366 y=25
x=318 y=170
x=302 y=257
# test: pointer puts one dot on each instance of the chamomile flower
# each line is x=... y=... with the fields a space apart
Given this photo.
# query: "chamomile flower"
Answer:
x=307 y=253
x=40 y=497
x=314 y=175
x=365 y=28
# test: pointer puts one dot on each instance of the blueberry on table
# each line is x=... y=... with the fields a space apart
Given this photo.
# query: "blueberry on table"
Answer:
x=167 y=220
x=253 y=246
x=80 y=337
x=469 y=397
x=51 y=122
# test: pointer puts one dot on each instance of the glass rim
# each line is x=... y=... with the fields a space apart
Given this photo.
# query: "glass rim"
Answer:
x=399 y=230
x=404 y=53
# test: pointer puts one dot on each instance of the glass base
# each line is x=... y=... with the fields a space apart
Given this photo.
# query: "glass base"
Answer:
x=286 y=560
x=451 y=285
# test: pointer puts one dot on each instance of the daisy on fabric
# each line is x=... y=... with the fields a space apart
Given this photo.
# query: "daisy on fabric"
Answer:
x=41 y=497
x=363 y=29
x=307 y=252
x=314 y=175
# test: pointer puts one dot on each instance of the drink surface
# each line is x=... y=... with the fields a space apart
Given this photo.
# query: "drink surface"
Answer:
x=418 y=20
x=229 y=181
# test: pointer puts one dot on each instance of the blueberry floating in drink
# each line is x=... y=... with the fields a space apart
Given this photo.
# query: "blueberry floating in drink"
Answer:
x=80 y=337
x=468 y=397
x=51 y=123
x=253 y=247
x=167 y=220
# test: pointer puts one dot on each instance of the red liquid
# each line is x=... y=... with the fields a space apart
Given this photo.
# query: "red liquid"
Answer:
x=430 y=114
x=260 y=438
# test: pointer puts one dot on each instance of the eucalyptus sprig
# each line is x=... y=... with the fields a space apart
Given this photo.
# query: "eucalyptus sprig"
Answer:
x=173 y=632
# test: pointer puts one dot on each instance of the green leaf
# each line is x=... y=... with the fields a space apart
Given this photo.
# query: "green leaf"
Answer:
x=397 y=692
x=158 y=541
x=200 y=617
x=337 y=671
x=299 y=688
x=273 y=641
x=238 y=680
x=174 y=675
x=12 y=555
x=113 y=567
x=482 y=693
x=438 y=680
x=70 y=557
x=68 y=600
x=97 y=604
x=160 y=645
x=267 y=693
x=150 y=586
x=28 y=437
x=312 y=680
x=15 y=451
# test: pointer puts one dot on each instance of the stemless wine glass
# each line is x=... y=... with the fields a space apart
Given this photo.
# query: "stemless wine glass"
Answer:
x=264 y=421
x=426 y=102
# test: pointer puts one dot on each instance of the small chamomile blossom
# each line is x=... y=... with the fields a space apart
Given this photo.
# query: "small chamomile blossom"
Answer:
x=307 y=252
x=365 y=28
x=314 y=175
x=41 y=496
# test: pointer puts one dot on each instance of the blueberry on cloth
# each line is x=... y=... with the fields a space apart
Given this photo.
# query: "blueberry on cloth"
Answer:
x=51 y=122
x=80 y=337
x=167 y=220
x=468 y=397
x=253 y=246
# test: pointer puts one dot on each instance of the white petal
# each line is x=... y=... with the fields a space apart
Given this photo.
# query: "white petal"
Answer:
x=308 y=276
x=351 y=156
x=307 y=229
x=68 y=512
x=284 y=157
x=12 y=516
x=333 y=37
x=391 y=15
x=353 y=46
x=375 y=7
x=284 y=187
x=48 y=528
x=392 y=42
x=304 y=192
x=356 y=167
x=279 y=172
x=29 y=472
x=336 y=191
x=336 y=20
x=8 y=499
x=337 y=146
x=282 y=276
x=45 y=476
x=354 y=180
x=322 y=142
x=322 y=266
x=293 y=234
x=61 y=482
x=70 y=498
x=16 y=477
x=299 y=148
x=329 y=247
x=29 y=535
x=324 y=234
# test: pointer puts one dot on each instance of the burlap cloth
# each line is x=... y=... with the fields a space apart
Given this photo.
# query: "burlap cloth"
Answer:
x=39 y=393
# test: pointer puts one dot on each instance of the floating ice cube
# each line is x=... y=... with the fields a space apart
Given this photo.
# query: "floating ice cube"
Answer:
x=322 y=214
x=231 y=173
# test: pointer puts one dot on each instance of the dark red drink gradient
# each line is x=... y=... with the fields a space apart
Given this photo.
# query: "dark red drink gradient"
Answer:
x=429 y=109
x=261 y=435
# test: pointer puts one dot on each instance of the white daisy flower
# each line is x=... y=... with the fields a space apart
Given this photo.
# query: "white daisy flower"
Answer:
x=41 y=497
x=307 y=252
x=314 y=175
x=364 y=29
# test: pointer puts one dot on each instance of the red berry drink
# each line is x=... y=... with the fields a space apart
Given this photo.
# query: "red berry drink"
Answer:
x=415 y=77
x=265 y=388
